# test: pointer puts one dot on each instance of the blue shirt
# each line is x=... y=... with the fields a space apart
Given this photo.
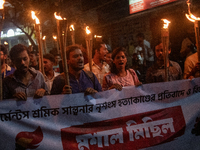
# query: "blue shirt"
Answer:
x=78 y=86
x=8 y=71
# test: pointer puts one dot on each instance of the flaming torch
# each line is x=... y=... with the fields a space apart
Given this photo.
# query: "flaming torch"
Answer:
x=44 y=44
x=56 y=41
x=1 y=24
x=98 y=37
x=62 y=37
x=196 y=20
x=39 y=35
x=165 y=42
x=71 y=28
x=89 y=43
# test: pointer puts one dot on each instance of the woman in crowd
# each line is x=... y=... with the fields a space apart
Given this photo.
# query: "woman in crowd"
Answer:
x=120 y=75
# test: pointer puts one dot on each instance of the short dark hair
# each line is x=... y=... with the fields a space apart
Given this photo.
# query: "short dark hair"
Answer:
x=15 y=50
x=140 y=35
x=98 y=45
x=71 y=48
x=113 y=68
x=159 y=42
x=4 y=49
x=49 y=57
x=33 y=52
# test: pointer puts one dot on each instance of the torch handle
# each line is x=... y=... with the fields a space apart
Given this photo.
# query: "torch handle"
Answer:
x=62 y=36
x=196 y=27
x=165 y=42
x=1 y=25
x=45 y=46
x=38 y=33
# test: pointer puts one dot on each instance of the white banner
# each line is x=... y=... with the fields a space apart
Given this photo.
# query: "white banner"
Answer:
x=155 y=116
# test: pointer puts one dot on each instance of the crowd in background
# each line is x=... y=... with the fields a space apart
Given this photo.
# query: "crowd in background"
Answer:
x=111 y=68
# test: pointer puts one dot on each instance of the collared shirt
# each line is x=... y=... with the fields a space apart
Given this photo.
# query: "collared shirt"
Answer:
x=129 y=80
x=78 y=86
x=12 y=85
x=99 y=72
x=156 y=73
x=49 y=82
x=8 y=71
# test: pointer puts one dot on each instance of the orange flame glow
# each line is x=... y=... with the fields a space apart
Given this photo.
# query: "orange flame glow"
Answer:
x=87 y=30
x=35 y=18
x=71 y=28
x=55 y=37
x=29 y=140
x=59 y=17
x=2 y=4
x=166 y=23
x=97 y=36
x=190 y=16
x=44 y=37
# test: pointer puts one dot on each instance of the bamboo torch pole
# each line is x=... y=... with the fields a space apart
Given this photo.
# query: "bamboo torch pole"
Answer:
x=39 y=35
x=44 y=44
x=72 y=34
x=89 y=44
x=195 y=20
x=165 y=42
x=62 y=38
x=1 y=25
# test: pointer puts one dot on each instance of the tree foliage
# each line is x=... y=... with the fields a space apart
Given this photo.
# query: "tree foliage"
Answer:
x=19 y=13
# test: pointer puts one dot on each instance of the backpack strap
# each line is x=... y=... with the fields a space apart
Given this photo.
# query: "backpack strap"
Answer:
x=91 y=76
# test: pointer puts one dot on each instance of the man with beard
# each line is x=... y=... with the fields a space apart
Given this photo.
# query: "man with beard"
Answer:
x=24 y=82
x=156 y=73
x=6 y=70
x=99 y=66
x=50 y=74
x=80 y=81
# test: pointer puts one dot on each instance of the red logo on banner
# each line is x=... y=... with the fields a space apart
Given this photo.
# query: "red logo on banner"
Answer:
x=132 y=132
x=29 y=140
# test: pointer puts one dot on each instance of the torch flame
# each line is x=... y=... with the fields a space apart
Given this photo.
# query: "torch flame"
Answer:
x=59 y=17
x=190 y=16
x=166 y=23
x=97 y=36
x=44 y=37
x=2 y=4
x=35 y=18
x=72 y=27
x=87 y=30
x=55 y=37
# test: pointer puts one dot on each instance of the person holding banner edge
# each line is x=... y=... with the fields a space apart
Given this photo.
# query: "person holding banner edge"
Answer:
x=80 y=80
x=24 y=82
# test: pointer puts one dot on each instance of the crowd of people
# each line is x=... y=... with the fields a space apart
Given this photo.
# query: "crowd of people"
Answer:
x=109 y=70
